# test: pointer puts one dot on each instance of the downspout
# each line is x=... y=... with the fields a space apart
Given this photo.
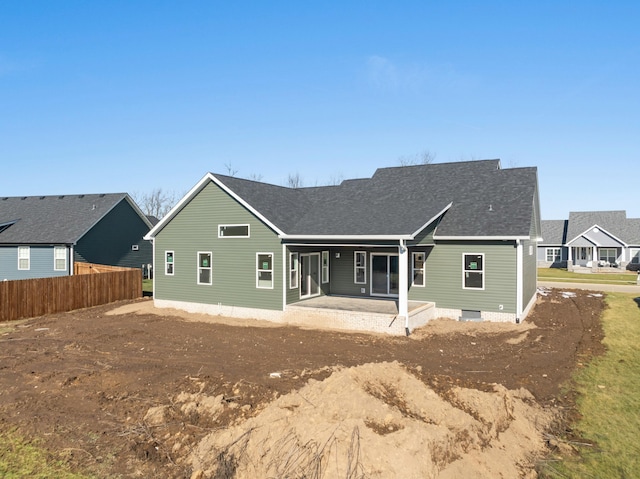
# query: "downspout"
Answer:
x=519 y=280
x=403 y=285
x=153 y=267
x=285 y=279
x=71 y=254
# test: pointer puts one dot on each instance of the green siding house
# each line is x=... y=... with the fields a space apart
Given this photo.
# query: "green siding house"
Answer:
x=454 y=240
x=42 y=236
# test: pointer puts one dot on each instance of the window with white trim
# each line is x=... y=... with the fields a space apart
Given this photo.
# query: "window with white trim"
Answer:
x=24 y=257
x=360 y=267
x=204 y=268
x=293 y=270
x=553 y=254
x=473 y=271
x=169 y=257
x=325 y=266
x=60 y=258
x=264 y=270
x=608 y=255
x=417 y=269
x=635 y=256
x=233 y=231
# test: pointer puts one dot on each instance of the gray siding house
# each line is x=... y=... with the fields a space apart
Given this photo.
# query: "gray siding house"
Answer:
x=42 y=236
x=452 y=240
x=594 y=240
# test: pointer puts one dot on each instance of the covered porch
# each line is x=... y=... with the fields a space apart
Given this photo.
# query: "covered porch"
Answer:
x=365 y=314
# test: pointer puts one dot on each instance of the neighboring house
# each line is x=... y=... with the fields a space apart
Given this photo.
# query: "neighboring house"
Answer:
x=591 y=239
x=42 y=236
x=459 y=237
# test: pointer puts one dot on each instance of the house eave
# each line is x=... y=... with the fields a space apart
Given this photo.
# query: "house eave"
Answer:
x=482 y=238
x=345 y=237
x=434 y=218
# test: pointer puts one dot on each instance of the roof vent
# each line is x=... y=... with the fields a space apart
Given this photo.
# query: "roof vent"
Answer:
x=102 y=195
x=42 y=197
x=490 y=207
x=60 y=197
x=24 y=198
x=93 y=207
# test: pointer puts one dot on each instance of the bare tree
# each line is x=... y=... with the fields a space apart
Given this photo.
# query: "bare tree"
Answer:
x=425 y=157
x=157 y=203
x=230 y=170
x=294 y=180
x=255 y=177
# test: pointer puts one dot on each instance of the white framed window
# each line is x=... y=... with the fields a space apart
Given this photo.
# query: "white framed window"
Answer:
x=325 y=266
x=169 y=257
x=473 y=271
x=417 y=269
x=553 y=255
x=360 y=267
x=635 y=256
x=293 y=270
x=608 y=255
x=233 y=231
x=204 y=268
x=24 y=257
x=60 y=258
x=264 y=270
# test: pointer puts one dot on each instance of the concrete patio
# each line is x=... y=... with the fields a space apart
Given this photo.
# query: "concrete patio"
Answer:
x=358 y=314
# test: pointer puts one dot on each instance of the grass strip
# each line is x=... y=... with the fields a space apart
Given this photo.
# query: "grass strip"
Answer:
x=562 y=275
x=609 y=401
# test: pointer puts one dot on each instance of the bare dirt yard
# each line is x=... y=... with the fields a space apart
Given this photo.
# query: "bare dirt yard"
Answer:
x=127 y=390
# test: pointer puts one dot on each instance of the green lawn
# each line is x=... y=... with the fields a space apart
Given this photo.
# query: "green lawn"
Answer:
x=20 y=459
x=147 y=286
x=562 y=275
x=608 y=402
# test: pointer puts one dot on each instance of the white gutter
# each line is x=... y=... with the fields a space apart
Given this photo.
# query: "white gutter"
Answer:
x=342 y=245
x=346 y=237
x=482 y=238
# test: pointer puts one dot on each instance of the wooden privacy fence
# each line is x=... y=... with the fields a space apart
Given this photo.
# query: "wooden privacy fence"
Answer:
x=27 y=298
x=92 y=268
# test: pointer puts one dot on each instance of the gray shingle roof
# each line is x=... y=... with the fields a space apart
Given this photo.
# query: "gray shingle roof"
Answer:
x=614 y=222
x=59 y=219
x=554 y=232
x=486 y=201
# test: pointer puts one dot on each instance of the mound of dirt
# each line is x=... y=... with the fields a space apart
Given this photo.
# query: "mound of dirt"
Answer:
x=127 y=390
x=377 y=421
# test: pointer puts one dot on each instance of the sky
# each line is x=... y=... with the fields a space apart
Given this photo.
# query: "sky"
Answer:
x=132 y=96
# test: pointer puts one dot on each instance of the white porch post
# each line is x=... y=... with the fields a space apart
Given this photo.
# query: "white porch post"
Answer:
x=403 y=283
